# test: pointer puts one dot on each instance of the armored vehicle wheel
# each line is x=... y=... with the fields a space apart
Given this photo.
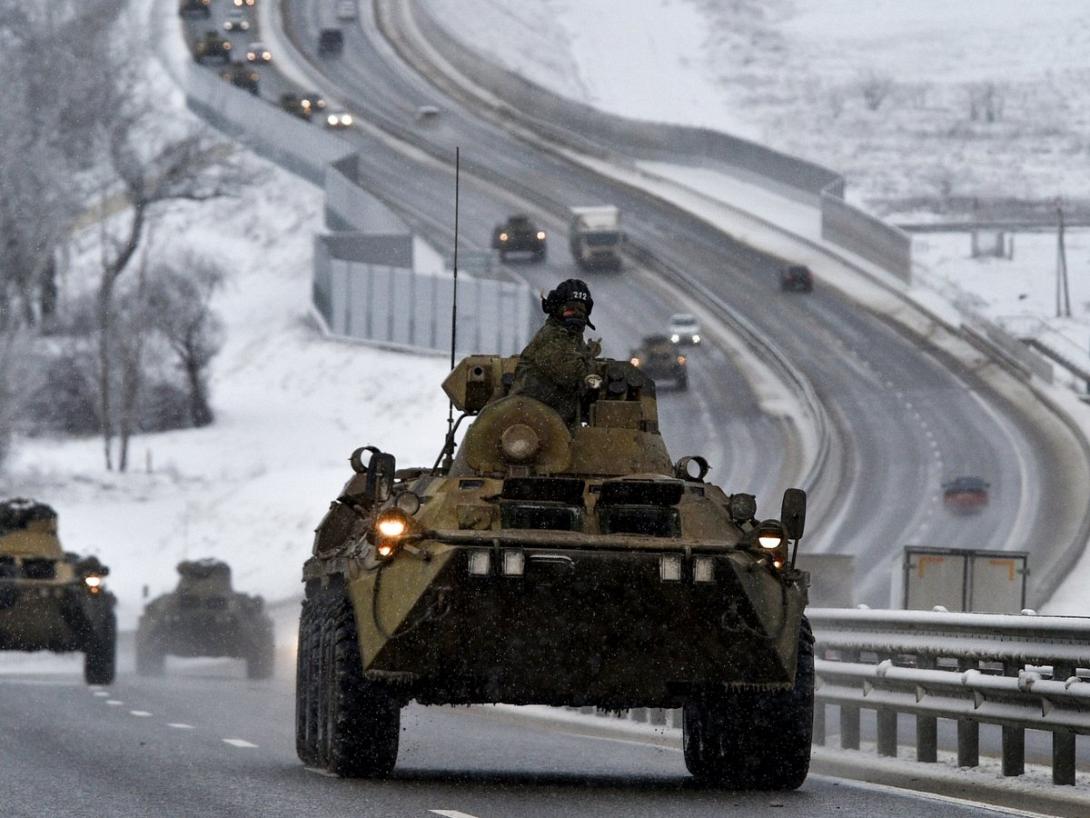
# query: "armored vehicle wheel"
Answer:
x=306 y=684
x=752 y=740
x=150 y=659
x=358 y=720
x=259 y=662
x=100 y=655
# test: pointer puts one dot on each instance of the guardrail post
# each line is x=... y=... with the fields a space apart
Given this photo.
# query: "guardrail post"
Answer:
x=849 y=715
x=1014 y=738
x=927 y=727
x=658 y=716
x=819 y=724
x=638 y=714
x=968 y=731
x=676 y=717
x=887 y=732
x=1063 y=741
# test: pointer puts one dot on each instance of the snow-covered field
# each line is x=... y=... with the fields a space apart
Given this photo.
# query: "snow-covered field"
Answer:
x=801 y=76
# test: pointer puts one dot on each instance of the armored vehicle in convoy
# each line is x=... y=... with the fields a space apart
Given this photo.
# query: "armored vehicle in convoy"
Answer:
x=195 y=9
x=796 y=278
x=51 y=599
x=560 y=565
x=204 y=616
x=240 y=75
x=519 y=235
x=660 y=359
x=595 y=237
x=212 y=47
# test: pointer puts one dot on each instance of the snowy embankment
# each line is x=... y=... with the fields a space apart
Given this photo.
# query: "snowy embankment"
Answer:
x=290 y=407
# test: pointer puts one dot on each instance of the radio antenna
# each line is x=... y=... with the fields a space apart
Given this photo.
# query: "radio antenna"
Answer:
x=448 y=446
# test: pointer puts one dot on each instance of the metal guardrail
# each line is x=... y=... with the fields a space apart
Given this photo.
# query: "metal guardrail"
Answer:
x=1017 y=672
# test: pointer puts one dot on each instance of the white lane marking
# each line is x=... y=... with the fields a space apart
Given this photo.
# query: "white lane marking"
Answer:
x=238 y=742
x=316 y=771
x=451 y=813
x=101 y=693
x=114 y=702
x=180 y=726
x=140 y=713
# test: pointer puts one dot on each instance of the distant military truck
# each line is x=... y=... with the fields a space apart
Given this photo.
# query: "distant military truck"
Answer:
x=660 y=359
x=519 y=235
x=595 y=237
x=51 y=599
x=240 y=75
x=205 y=616
x=195 y=9
x=212 y=47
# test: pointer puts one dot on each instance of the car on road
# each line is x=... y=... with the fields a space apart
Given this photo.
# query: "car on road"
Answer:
x=661 y=359
x=258 y=52
x=315 y=100
x=684 y=329
x=296 y=105
x=796 y=278
x=195 y=9
x=338 y=120
x=519 y=234
x=236 y=21
x=242 y=76
x=967 y=494
x=205 y=616
x=52 y=599
x=427 y=114
x=346 y=10
x=212 y=48
x=330 y=42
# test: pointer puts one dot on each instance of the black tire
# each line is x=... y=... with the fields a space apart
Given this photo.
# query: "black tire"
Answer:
x=306 y=688
x=358 y=721
x=259 y=663
x=682 y=383
x=100 y=656
x=150 y=658
x=749 y=740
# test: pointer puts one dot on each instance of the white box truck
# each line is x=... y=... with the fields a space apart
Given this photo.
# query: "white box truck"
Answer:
x=596 y=237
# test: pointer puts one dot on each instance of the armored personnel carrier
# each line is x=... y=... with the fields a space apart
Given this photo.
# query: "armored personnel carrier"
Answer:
x=661 y=359
x=51 y=599
x=519 y=234
x=204 y=616
x=557 y=565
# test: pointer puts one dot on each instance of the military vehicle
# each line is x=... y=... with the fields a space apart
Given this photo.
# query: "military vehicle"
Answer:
x=796 y=278
x=296 y=105
x=212 y=48
x=51 y=599
x=519 y=235
x=240 y=75
x=660 y=359
x=194 y=8
x=204 y=616
x=561 y=566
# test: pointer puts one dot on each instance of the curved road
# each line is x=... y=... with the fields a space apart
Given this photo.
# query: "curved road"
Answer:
x=905 y=419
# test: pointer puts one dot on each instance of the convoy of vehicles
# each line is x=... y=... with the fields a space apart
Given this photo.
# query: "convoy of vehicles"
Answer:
x=557 y=565
x=595 y=237
x=659 y=359
x=205 y=616
x=52 y=599
x=519 y=234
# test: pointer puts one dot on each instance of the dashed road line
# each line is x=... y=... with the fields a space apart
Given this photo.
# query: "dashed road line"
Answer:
x=139 y=713
x=238 y=742
x=177 y=725
x=451 y=813
x=101 y=693
x=114 y=702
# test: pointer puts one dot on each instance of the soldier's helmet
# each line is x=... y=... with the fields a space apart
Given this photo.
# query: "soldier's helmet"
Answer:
x=567 y=291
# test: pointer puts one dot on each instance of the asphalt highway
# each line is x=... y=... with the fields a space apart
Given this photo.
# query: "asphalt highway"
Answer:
x=204 y=741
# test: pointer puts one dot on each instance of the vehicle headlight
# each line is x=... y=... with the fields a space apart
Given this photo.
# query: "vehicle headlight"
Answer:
x=634 y=361
x=391 y=525
x=265 y=55
x=675 y=337
x=226 y=46
x=346 y=119
x=770 y=535
x=503 y=237
x=541 y=235
x=93 y=583
x=331 y=119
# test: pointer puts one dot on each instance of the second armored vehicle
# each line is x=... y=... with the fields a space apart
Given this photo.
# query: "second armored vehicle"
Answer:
x=661 y=360
x=212 y=48
x=204 y=616
x=51 y=599
x=559 y=565
x=519 y=235
x=240 y=75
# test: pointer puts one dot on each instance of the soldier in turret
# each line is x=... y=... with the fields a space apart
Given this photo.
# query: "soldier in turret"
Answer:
x=553 y=365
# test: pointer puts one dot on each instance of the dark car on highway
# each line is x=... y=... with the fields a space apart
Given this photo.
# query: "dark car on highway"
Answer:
x=212 y=47
x=965 y=495
x=661 y=360
x=195 y=9
x=519 y=235
x=330 y=42
x=796 y=278
x=296 y=105
x=242 y=76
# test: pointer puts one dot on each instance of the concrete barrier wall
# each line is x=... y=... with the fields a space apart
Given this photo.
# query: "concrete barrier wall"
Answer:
x=867 y=237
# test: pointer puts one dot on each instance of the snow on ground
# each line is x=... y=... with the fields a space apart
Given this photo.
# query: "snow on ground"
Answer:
x=795 y=75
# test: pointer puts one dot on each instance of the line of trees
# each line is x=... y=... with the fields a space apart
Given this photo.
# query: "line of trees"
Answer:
x=83 y=147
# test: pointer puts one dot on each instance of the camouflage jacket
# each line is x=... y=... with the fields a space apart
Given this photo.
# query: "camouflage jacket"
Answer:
x=552 y=367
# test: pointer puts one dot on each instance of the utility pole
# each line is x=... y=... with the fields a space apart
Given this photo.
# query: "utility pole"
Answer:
x=1063 y=296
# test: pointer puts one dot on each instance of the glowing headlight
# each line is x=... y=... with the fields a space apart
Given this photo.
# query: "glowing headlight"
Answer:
x=251 y=55
x=541 y=235
x=226 y=46
x=391 y=527
x=634 y=361
x=346 y=119
x=770 y=535
x=265 y=55
x=675 y=337
x=770 y=541
x=93 y=582
x=503 y=237
x=331 y=119
x=696 y=339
